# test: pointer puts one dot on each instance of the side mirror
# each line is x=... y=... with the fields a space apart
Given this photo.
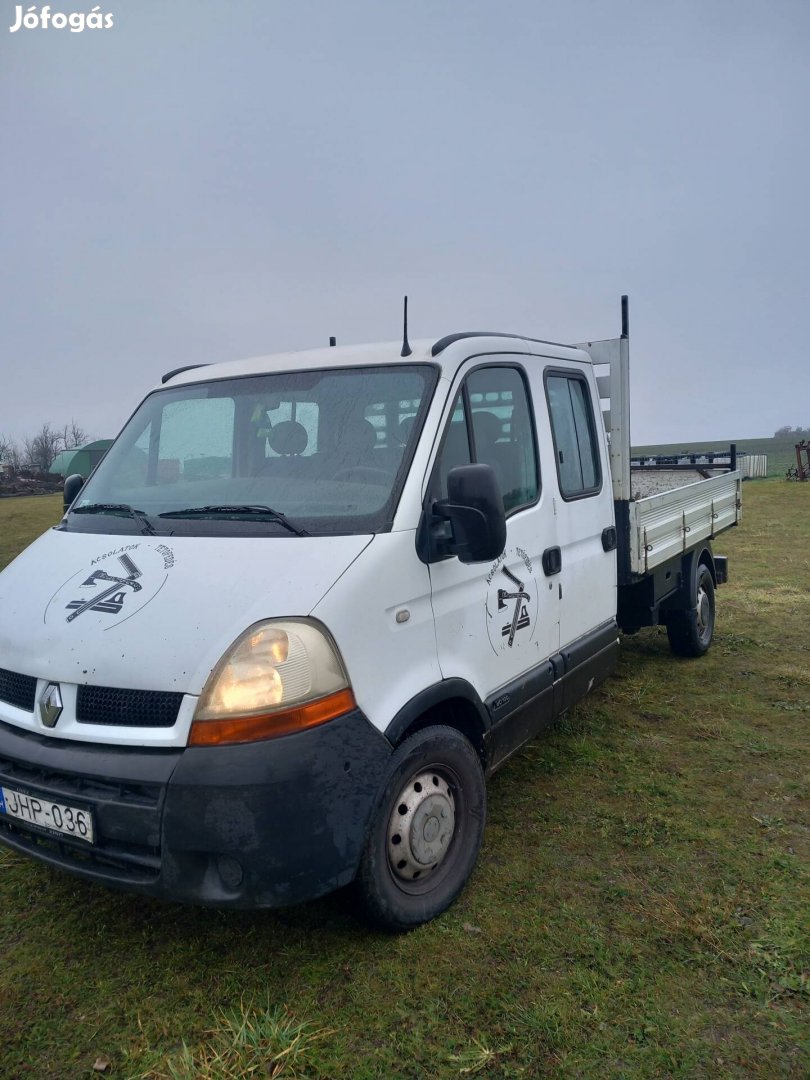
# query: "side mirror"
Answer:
x=73 y=485
x=474 y=508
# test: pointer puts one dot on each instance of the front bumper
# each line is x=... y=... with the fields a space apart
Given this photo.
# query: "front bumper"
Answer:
x=259 y=825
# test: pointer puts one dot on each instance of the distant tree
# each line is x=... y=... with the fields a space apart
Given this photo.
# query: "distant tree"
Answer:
x=39 y=450
x=10 y=453
x=797 y=432
x=72 y=436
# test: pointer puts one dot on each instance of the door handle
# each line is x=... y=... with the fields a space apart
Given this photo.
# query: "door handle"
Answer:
x=552 y=561
x=609 y=538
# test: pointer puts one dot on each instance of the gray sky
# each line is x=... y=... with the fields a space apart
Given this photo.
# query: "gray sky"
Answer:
x=212 y=179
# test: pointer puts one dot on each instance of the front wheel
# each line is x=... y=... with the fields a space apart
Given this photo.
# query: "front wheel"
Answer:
x=690 y=632
x=427 y=830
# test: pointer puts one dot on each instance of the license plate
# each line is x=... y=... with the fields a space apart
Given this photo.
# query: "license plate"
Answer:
x=57 y=817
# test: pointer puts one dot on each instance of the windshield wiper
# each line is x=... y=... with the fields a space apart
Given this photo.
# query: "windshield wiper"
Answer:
x=120 y=508
x=234 y=511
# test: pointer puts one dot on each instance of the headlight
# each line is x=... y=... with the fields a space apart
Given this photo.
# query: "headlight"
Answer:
x=280 y=676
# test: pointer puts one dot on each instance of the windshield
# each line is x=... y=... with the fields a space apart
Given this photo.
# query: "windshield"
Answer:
x=295 y=453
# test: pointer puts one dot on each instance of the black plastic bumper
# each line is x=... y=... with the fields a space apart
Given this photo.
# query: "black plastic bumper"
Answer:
x=259 y=825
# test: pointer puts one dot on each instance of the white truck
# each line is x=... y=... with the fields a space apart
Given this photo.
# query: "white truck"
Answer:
x=308 y=602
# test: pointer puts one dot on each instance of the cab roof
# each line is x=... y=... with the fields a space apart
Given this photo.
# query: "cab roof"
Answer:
x=447 y=352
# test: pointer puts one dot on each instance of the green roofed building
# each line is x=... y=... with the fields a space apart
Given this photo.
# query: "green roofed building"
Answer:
x=83 y=459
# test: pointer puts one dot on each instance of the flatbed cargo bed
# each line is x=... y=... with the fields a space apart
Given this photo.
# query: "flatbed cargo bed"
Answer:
x=671 y=521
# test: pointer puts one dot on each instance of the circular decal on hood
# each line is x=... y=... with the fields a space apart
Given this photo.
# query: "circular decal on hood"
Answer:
x=114 y=586
x=512 y=603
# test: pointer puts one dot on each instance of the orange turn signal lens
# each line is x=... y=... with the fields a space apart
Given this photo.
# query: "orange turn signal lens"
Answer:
x=245 y=729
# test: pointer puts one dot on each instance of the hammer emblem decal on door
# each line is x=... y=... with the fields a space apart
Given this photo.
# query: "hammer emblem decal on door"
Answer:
x=520 y=615
x=511 y=604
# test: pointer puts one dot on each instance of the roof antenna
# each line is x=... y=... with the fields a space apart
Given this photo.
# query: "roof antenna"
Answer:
x=332 y=342
x=406 y=349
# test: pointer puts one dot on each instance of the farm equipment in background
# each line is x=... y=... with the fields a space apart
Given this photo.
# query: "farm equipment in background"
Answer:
x=801 y=470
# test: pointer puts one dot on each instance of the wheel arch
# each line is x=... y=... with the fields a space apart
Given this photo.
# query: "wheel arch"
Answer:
x=453 y=703
x=683 y=598
x=700 y=556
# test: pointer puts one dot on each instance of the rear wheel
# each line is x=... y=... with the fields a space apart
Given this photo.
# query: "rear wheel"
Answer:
x=690 y=632
x=427 y=830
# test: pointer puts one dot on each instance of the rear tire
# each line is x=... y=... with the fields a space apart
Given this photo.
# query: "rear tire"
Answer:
x=690 y=632
x=426 y=831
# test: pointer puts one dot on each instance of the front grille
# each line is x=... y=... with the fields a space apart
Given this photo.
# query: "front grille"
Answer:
x=69 y=786
x=127 y=708
x=19 y=690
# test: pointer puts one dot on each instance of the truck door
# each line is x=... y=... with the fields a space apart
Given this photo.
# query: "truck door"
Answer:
x=497 y=624
x=584 y=506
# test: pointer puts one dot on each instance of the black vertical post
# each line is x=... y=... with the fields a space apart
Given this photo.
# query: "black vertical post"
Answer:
x=733 y=456
x=333 y=341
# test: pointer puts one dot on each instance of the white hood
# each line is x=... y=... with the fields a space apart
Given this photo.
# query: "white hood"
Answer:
x=154 y=613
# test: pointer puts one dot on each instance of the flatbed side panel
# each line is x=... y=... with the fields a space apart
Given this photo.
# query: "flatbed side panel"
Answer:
x=666 y=525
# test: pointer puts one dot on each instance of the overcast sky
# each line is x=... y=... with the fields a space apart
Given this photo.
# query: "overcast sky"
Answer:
x=213 y=179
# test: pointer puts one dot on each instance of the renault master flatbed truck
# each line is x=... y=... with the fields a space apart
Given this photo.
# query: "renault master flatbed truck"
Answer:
x=308 y=602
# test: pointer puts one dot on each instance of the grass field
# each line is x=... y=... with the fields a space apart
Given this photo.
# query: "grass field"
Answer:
x=781 y=452
x=640 y=908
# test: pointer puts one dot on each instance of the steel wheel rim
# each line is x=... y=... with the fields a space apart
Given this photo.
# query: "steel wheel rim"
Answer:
x=421 y=827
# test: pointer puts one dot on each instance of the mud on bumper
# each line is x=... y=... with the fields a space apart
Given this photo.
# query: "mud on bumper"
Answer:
x=260 y=825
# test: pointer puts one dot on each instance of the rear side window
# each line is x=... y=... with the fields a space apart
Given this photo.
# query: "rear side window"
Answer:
x=574 y=433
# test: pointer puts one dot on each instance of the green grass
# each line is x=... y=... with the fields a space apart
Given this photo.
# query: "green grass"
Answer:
x=639 y=909
x=781 y=452
x=23 y=519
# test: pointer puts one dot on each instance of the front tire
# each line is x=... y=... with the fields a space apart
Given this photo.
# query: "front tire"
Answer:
x=426 y=832
x=690 y=632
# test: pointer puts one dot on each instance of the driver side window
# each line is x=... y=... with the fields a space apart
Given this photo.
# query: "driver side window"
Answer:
x=491 y=424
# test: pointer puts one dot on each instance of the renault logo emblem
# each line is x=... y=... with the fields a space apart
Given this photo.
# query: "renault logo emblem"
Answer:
x=50 y=704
